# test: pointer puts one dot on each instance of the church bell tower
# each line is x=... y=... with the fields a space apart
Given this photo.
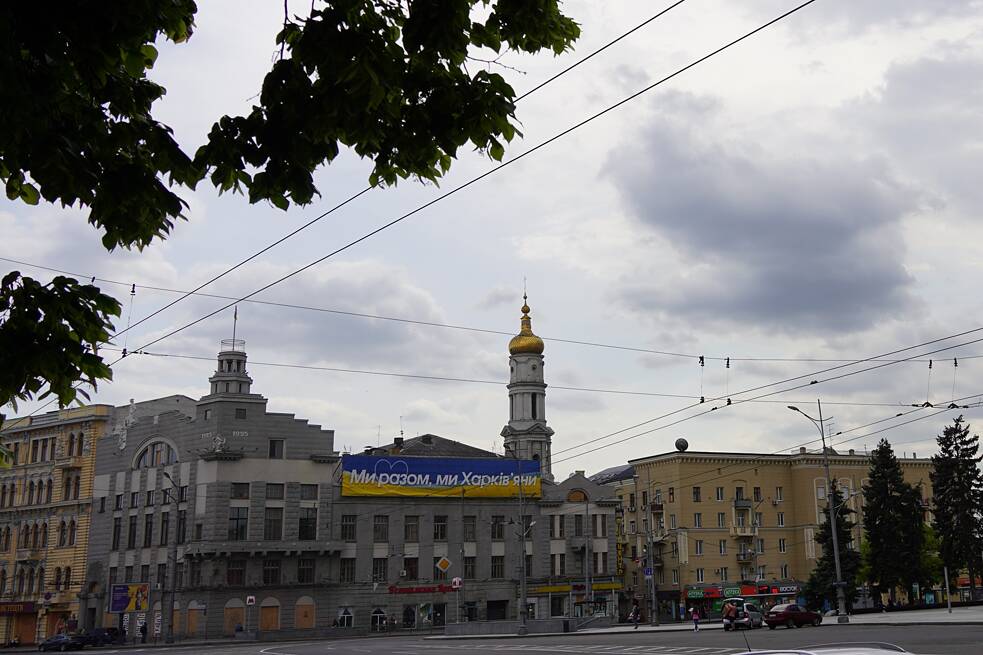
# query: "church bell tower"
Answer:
x=527 y=435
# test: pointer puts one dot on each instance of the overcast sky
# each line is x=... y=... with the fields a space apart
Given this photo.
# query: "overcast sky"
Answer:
x=811 y=193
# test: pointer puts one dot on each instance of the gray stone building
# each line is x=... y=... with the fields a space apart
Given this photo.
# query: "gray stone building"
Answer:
x=242 y=510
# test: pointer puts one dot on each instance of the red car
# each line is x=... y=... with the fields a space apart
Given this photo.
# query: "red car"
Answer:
x=791 y=616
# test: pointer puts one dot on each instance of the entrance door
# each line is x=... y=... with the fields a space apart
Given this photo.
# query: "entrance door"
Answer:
x=195 y=618
x=498 y=610
x=26 y=627
x=269 y=618
x=233 y=616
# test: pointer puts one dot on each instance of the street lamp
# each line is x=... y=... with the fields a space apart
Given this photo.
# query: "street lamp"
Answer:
x=172 y=591
x=650 y=559
x=523 y=529
x=838 y=583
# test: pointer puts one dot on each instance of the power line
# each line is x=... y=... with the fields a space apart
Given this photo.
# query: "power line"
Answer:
x=487 y=173
x=441 y=378
x=595 y=344
x=370 y=187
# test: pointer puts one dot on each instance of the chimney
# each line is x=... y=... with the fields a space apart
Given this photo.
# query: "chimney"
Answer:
x=802 y=450
x=852 y=453
x=581 y=473
x=913 y=456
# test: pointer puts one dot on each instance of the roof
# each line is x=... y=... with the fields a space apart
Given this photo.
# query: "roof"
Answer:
x=430 y=445
x=614 y=474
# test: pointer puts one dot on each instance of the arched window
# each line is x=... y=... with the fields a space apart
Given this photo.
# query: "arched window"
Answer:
x=68 y=577
x=62 y=533
x=47 y=491
x=77 y=486
x=44 y=535
x=79 y=442
x=71 y=444
x=30 y=493
x=40 y=579
x=66 y=493
x=71 y=533
x=20 y=582
x=35 y=536
x=5 y=539
x=3 y=581
x=156 y=454
x=22 y=538
x=40 y=497
x=3 y=496
x=58 y=578
x=30 y=581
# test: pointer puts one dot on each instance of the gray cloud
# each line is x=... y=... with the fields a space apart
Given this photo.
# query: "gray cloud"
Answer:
x=864 y=15
x=776 y=241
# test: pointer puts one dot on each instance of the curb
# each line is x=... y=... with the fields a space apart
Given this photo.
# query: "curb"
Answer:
x=598 y=631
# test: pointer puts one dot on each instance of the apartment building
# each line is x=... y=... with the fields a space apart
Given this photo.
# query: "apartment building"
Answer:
x=728 y=524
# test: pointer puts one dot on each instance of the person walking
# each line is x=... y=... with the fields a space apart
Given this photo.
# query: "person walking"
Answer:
x=634 y=616
x=729 y=613
x=695 y=615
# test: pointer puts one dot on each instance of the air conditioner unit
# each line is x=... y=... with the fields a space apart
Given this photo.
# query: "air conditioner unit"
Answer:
x=716 y=571
x=631 y=509
x=774 y=502
x=402 y=573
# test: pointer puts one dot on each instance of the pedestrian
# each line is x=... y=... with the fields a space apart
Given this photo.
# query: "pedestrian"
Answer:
x=729 y=613
x=634 y=615
x=143 y=633
x=682 y=613
x=695 y=615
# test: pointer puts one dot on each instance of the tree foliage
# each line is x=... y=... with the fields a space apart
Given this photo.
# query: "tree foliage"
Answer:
x=957 y=484
x=821 y=584
x=387 y=79
x=893 y=524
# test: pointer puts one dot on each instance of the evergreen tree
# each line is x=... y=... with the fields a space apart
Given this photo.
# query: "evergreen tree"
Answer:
x=892 y=524
x=821 y=585
x=957 y=484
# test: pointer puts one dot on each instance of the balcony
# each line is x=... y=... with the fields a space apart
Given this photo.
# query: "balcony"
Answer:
x=30 y=554
x=746 y=531
x=745 y=556
x=224 y=548
x=657 y=506
x=73 y=462
x=742 y=503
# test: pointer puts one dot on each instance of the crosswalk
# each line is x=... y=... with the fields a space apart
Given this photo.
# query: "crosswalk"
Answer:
x=587 y=649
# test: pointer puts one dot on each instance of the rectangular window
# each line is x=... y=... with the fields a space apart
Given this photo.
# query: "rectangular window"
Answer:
x=821 y=492
x=696 y=494
x=117 y=530
x=166 y=496
x=348 y=527
x=271 y=571
x=699 y=547
x=148 y=530
x=738 y=493
x=182 y=526
x=440 y=528
x=199 y=531
x=723 y=546
x=498 y=527
x=128 y=574
x=781 y=546
x=273 y=524
x=578 y=525
x=240 y=491
x=699 y=575
x=182 y=494
x=145 y=573
x=721 y=520
x=238 y=523
x=470 y=563
x=672 y=521
x=675 y=576
x=134 y=498
x=631 y=527
x=275 y=450
x=380 y=569
x=761 y=546
x=412 y=567
x=102 y=503
x=307 y=527
x=645 y=498
x=739 y=519
x=165 y=527
x=498 y=566
x=274 y=491
x=672 y=494
x=784 y=572
x=779 y=494
x=720 y=493
x=411 y=529
x=723 y=574
x=781 y=519
x=631 y=500
x=308 y=492
x=162 y=575
x=470 y=528
x=698 y=520
x=195 y=574
x=347 y=569
x=761 y=572
x=380 y=529
x=240 y=413
x=119 y=502
x=131 y=534
x=151 y=497
x=759 y=519
x=113 y=572
x=757 y=494
x=305 y=570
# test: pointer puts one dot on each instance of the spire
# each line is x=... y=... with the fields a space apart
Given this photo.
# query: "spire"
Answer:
x=525 y=342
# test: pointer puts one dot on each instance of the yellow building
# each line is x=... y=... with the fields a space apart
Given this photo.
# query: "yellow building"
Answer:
x=728 y=524
x=45 y=509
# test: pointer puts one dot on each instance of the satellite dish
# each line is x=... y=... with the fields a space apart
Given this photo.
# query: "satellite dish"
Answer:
x=681 y=444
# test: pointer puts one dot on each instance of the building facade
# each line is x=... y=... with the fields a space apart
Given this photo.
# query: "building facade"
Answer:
x=727 y=524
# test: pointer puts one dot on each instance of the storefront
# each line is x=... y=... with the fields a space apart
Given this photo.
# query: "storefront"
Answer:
x=710 y=598
x=21 y=621
x=572 y=599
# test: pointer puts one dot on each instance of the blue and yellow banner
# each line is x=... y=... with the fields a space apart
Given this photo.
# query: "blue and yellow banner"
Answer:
x=365 y=475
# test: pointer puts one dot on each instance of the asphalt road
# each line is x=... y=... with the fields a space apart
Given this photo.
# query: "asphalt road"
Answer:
x=920 y=639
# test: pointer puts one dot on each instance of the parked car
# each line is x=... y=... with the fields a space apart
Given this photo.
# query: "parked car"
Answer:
x=100 y=636
x=748 y=614
x=62 y=642
x=791 y=616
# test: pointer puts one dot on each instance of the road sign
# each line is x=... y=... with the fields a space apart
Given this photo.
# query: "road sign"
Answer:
x=250 y=600
x=648 y=571
x=443 y=564
x=457 y=583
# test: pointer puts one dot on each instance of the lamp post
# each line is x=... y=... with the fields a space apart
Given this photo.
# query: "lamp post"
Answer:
x=172 y=590
x=650 y=560
x=838 y=583
x=523 y=600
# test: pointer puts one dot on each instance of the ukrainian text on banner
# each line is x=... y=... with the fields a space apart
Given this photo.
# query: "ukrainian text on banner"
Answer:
x=365 y=475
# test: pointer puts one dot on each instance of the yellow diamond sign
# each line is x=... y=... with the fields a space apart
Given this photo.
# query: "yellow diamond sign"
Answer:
x=443 y=564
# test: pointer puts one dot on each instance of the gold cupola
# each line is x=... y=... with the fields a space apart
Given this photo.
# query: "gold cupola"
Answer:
x=525 y=342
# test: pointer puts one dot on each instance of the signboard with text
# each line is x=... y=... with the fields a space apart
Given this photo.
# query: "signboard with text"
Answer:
x=367 y=475
x=130 y=597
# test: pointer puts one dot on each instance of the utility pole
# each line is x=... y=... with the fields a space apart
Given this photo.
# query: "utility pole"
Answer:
x=523 y=600
x=172 y=591
x=588 y=563
x=650 y=560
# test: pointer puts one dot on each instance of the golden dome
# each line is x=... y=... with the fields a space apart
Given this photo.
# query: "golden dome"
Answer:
x=526 y=342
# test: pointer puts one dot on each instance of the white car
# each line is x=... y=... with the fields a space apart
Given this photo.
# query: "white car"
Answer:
x=846 y=648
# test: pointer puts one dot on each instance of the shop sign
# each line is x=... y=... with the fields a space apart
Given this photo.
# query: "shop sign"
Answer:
x=429 y=589
x=732 y=591
x=711 y=592
x=694 y=593
x=787 y=589
x=16 y=608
